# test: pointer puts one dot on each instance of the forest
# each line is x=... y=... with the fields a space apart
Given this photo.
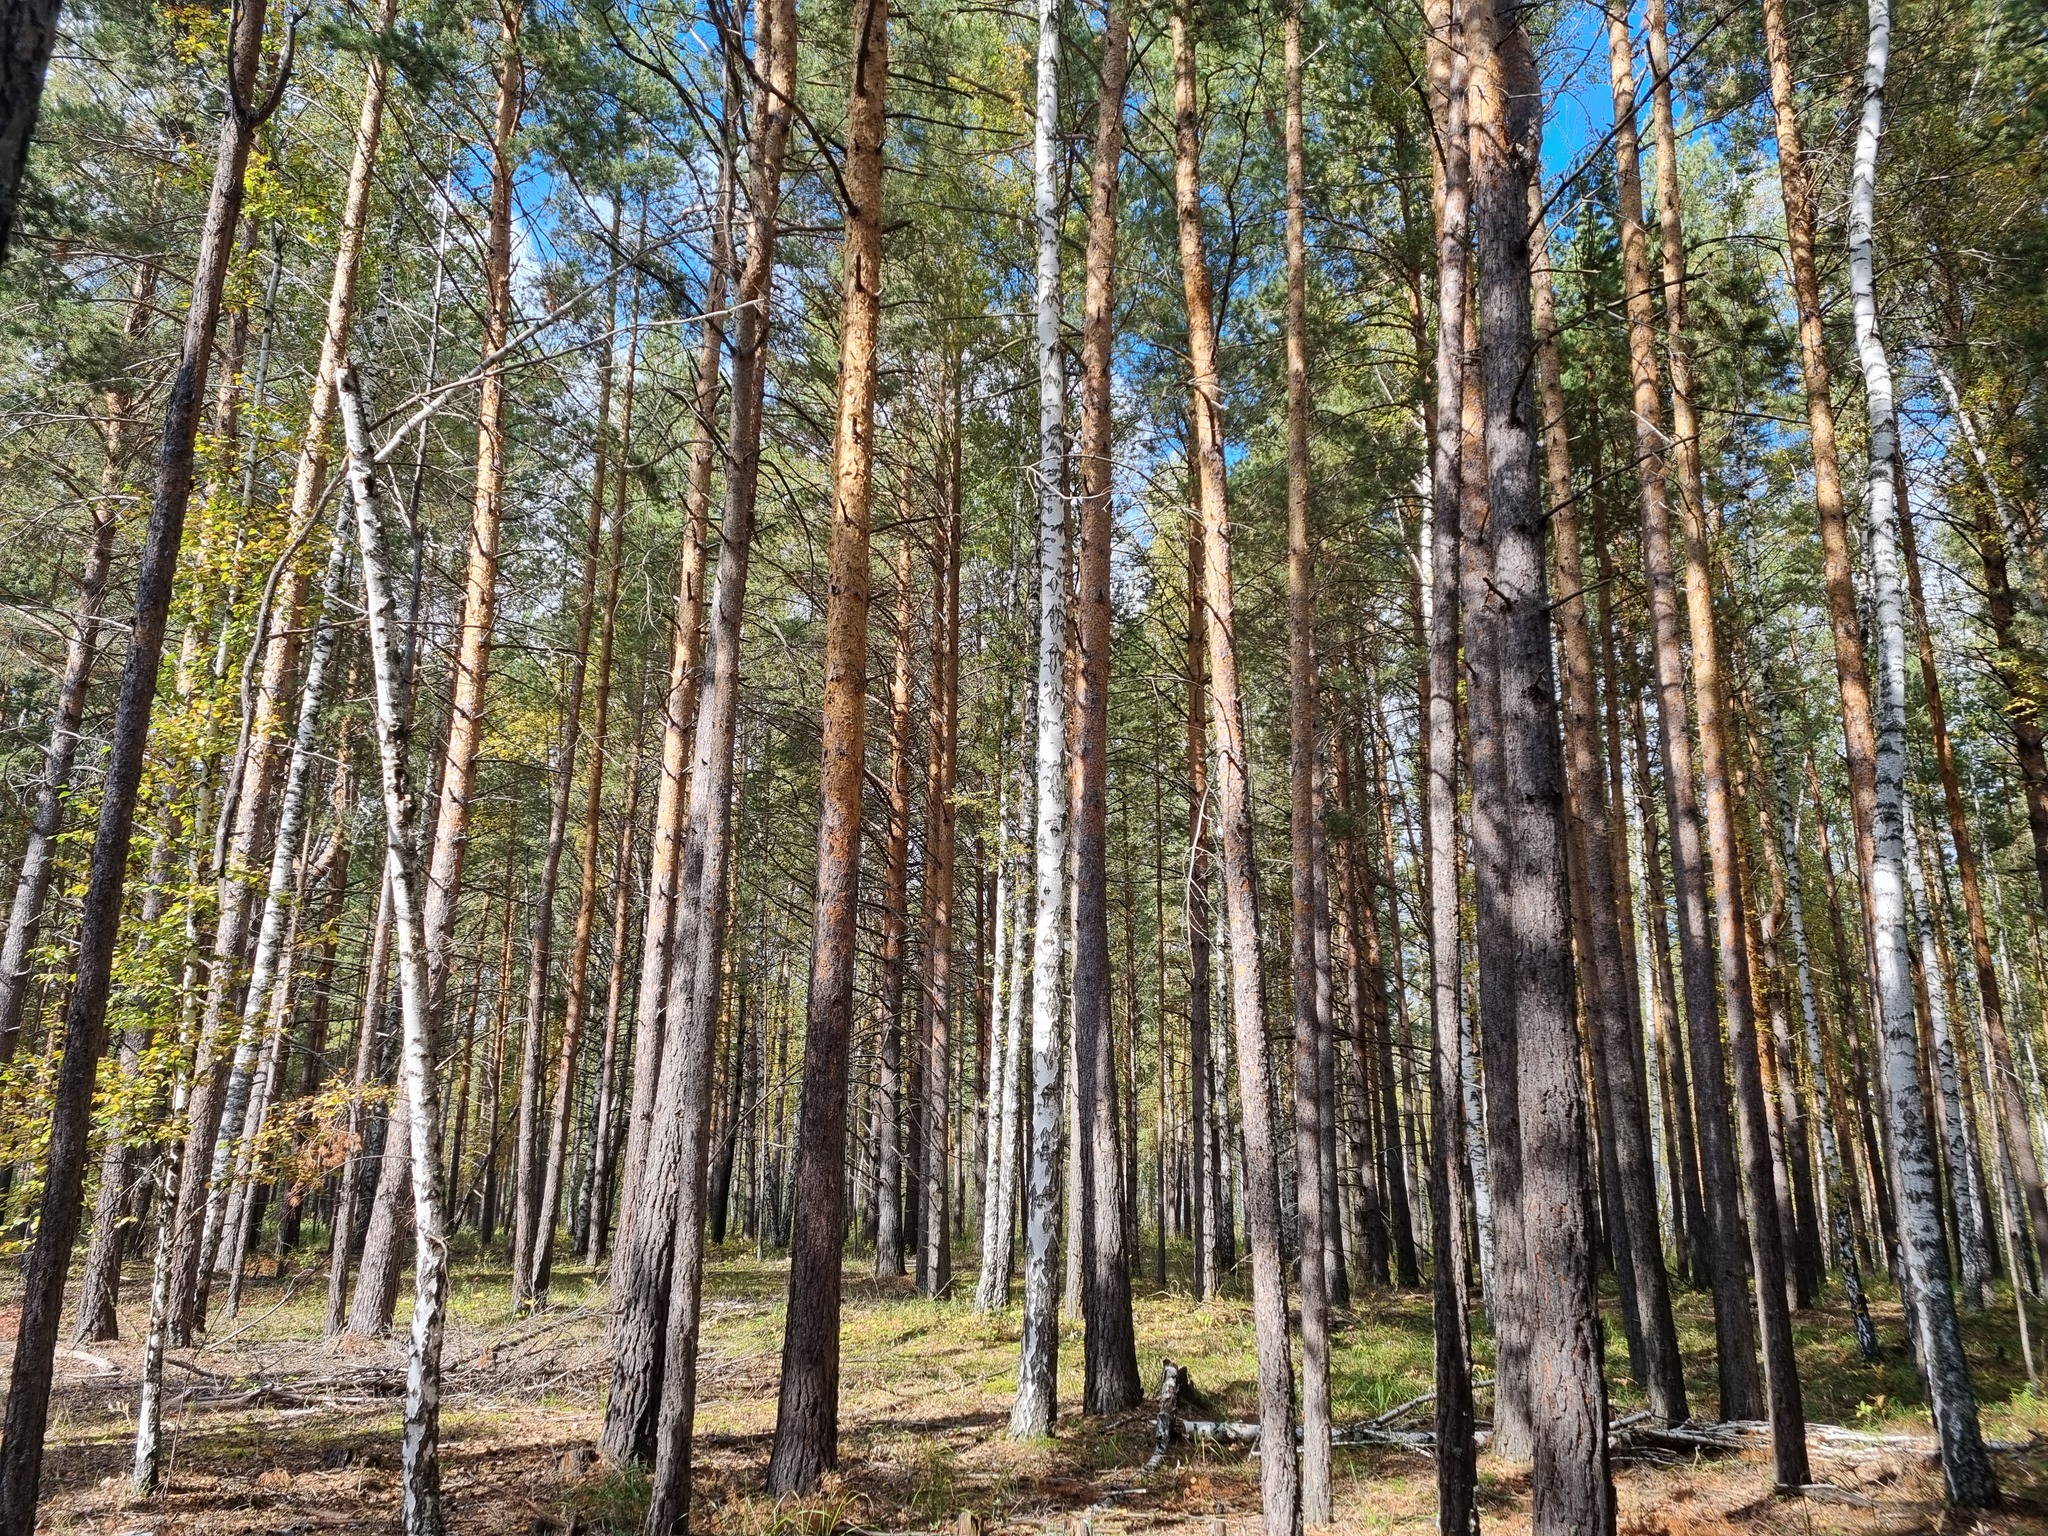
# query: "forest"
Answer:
x=1136 y=765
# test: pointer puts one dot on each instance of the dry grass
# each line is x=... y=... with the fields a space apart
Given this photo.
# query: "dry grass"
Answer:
x=925 y=1400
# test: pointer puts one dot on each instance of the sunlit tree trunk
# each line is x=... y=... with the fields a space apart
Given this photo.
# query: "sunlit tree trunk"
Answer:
x=85 y=1022
x=420 y=1468
x=1109 y=1341
x=1923 y=1248
x=1278 y=1474
x=1456 y=1471
x=1722 y=1245
x=372 y=1313
x=1710 y=691
x=1037 y=1401
x=660 y=1247
x=807 y=1413
x=1305 y=846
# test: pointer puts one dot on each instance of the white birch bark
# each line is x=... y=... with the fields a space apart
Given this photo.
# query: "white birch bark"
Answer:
x=1037 y=1378
x=1965 y=1189
x=420 y=1471
x=147 y=1466
x=1924 y=1252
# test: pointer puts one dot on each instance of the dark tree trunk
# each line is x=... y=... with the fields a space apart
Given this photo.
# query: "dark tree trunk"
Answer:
x=85 y=1022
x=1111 y=1382
x=807 y=1412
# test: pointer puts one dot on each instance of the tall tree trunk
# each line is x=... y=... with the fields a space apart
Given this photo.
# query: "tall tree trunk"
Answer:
x=1571 y=1487
x=1109 y=1342
x=85 y=1022
x=593 y=815
x=660 y=1246
x=679 y=704
x=220 y=1074
x=1616 y=1040
x=533 y=1209
x=605 y=1134
x=1205 y=1220
x=1304 y=844
x=273 y=943
x=420 y=1474
x=1457 y=1478
x=1036 y=1404
x=1279 y=1485
x=1965 y=1465
x=1766 y=1240
x=472 y=667
x=369 y=1027
x=1013 y=909
x=1722 y=1245
x=807 y=1411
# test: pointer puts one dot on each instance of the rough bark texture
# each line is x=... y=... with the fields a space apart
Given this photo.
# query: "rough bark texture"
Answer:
x=1606 y=962
x=1037 y=1401
x=1279 y=1485
x=1923 y=1249
x=1109 y=1342
x=1571 y=1488
x=1722 y=1245
x=85 y=1015
x=807 y=1412
x=656 y=1248
x=1310 y=1181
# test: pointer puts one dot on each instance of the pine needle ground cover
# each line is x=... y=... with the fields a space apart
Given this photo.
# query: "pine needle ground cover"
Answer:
x=274 y=1430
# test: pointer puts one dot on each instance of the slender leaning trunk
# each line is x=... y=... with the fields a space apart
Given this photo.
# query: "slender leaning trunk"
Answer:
x=85 y=1015
x=895 y=909
x=1037 y=1401
x=1279 y=1485
x=1923 y=1246
x=807 y=1413
x=420 y=1467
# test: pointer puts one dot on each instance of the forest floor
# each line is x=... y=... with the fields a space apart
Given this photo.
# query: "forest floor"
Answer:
x=272 y=1429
